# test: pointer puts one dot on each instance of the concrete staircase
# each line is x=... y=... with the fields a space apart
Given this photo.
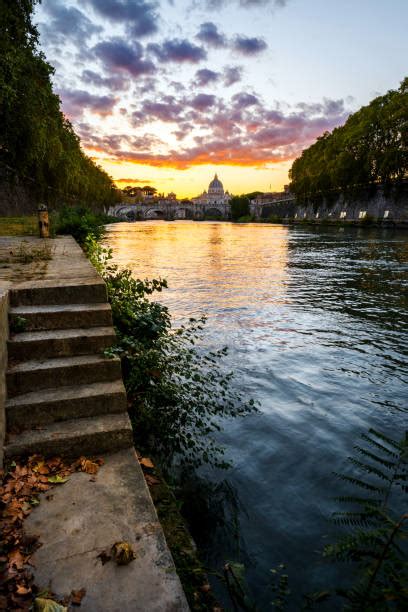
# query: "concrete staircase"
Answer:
x=63 y=396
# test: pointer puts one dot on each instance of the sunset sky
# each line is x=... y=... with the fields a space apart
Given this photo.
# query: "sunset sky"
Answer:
x=167 y=93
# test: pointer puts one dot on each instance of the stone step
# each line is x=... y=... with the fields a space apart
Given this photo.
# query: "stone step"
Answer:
x=62 y=316
x=34 y=375
x=90 y=437
x=50 y=292
x=65 y=403
x=59 y=343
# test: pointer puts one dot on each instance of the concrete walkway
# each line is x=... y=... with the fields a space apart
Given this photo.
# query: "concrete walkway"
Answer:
x=64 y=397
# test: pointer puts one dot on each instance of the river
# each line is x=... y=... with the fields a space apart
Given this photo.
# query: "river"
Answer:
x=316 y=322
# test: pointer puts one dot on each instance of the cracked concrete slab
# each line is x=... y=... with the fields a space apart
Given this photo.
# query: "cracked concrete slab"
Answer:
x=83 y=518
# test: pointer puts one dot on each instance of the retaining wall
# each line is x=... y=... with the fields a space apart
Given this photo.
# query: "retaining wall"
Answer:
x=390 y=206
x=3 y=364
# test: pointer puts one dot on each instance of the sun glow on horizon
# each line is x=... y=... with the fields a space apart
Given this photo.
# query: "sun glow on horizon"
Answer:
x=192 y=181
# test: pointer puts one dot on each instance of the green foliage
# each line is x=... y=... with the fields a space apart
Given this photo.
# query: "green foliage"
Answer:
x=245 y=219
x=36 y=141
x=371 y=148
x=18 y=324
x=177 y=391
x=375 y=525
x=80 y=222
x=239 y=207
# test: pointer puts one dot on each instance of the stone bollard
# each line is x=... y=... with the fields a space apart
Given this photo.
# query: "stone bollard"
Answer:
x=43 y=221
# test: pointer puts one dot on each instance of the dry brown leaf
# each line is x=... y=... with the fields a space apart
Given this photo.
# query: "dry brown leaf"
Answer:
x=151 y=480
x=123 y=553
x=88 y=466
x=16 y=559
x=77 y=597
x=146 y=462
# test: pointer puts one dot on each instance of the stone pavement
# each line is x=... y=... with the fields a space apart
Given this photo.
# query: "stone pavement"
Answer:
x=65 y=397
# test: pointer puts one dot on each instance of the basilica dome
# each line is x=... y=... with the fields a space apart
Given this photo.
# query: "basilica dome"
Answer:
x=216 y=186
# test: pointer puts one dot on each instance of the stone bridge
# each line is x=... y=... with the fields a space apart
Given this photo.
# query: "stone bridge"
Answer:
x=169 y=210
x=263 y=208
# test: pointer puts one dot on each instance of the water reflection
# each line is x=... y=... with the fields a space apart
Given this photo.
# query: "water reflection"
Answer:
x=316 y=322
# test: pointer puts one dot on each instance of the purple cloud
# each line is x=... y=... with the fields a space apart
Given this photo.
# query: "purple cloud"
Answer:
x=243 y=133
x=202 y=102
x=210 y=35
x=118 y=55
x=248 y=46
x=139 y=16
x=212 y=5
x=205 y=77
x=74 y=102
x=178 y=51
x=231 y=75
x=115 y=83
x=167 y=110
x=66 y=22
x=243 y=100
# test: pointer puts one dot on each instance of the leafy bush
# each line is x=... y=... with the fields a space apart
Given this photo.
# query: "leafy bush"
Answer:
x=80 y=222
x=176 y=390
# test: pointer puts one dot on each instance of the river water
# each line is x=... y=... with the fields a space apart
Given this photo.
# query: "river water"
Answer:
x=316 y=322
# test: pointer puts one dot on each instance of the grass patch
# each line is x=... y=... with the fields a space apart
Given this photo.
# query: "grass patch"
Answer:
x=19 y=226
x=27 y=254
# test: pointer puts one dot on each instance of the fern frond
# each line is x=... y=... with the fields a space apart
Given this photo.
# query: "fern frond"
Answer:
x=361 y=501
x=355 y=519
x=374 y=457
x=369 y=469
x=360 y=483
x=386 y=439
x=380 y=446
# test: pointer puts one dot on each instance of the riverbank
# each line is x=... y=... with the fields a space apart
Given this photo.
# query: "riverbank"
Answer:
x=57 y=343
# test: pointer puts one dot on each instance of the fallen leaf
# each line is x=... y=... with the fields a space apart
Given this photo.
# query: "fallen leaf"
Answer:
x=88 y=466
x=151 y=480
x=22 y=590
x=16 y=559
x=146 y=462
x=77 y=596
x=48 y=605
x=57 y=479
x=122 y=552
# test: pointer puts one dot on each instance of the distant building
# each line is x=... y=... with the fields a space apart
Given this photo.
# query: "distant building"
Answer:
x=215 y=194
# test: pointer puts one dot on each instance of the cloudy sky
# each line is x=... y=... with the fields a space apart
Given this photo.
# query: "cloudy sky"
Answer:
x=168 y=92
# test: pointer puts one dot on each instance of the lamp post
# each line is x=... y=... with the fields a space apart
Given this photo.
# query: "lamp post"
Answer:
x=43 y=221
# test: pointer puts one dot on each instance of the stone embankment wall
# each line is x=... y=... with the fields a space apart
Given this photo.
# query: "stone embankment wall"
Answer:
x=382 y=205
x=16 y=200
x=3 y=365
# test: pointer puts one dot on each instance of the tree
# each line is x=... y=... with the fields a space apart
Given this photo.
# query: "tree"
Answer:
x=239 y=207
x=370 y=148
x=37 y=142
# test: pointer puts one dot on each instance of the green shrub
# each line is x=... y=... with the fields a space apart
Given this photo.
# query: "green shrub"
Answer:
x=80 y=221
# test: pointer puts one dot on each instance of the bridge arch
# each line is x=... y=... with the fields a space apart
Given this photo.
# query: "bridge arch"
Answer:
x=154 y=213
